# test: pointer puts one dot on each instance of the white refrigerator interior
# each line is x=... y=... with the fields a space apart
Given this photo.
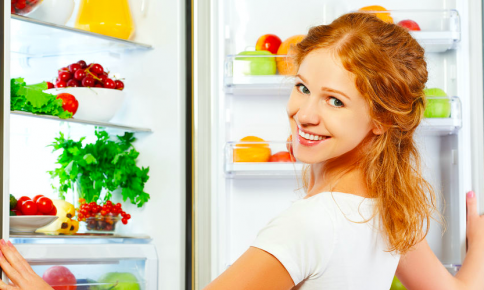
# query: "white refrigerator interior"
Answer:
x=247 y=195
x=152 y=65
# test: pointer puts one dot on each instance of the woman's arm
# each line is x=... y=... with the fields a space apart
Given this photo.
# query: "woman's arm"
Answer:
x=420 y=269
x=255 y=269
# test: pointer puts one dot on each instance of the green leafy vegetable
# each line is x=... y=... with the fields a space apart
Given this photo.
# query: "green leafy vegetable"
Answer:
x=105 y=164
x=31 y=98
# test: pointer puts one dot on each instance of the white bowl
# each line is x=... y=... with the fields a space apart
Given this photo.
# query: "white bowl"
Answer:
x=30 y=223
x=54 y=11
x=95 y=104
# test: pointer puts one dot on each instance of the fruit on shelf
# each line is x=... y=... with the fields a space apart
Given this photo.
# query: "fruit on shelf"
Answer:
x=120 y=281
x=410 y=24
x=438 y=104
x=383 y=16
x=101 y=217
x=261 y=65
x=397 y=285
x=64 y=224
x=256 y=152
x=39 y=205
x=80 y=74
x=282 y=156
x=269 y=42
x=69 y=102
x=60 y=278
x=285 y=65
x=13 y=202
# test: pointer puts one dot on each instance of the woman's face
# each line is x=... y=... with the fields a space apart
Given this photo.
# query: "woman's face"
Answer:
x=327 y=114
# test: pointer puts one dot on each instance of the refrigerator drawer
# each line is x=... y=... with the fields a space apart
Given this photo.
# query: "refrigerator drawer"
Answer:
x=104 y=265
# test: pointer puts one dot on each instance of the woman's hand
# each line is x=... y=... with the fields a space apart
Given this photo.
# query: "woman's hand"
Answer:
x=18 y=270
x=475 y=225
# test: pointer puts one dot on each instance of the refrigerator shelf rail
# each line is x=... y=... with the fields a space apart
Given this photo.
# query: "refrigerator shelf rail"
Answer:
x=85 y=122
x=35 y=38
x=79 y=238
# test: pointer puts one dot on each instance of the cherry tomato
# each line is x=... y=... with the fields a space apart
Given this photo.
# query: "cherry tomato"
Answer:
x=50 y=85
x=44 y=205
x=60 y=275
x=69 y=102
x=52 y=212
x=124 y=221
x=37 y=197
x=20 y=201
x=28 y=207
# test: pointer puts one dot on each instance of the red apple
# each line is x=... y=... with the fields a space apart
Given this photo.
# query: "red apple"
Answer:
x=410 y=24
x=282 y=156
x=269 y=42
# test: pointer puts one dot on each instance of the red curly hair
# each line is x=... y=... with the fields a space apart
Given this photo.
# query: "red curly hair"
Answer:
x=391 y=73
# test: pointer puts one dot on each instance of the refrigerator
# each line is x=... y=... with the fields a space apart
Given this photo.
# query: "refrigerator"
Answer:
x=234 y=200
x=152 y=64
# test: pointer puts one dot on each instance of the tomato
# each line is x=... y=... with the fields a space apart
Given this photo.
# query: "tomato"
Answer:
x=37 y=197
x=17 y=212
x=28 y=207
x=60 y=278
x=20 y=201
x=53 y=211
x=282 y=156
x=69 y=102
x=44 y=205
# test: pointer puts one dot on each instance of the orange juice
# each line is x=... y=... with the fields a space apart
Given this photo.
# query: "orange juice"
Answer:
x=107 y=17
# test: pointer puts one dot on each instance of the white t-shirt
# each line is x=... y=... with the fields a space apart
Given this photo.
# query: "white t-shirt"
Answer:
x=322 y=246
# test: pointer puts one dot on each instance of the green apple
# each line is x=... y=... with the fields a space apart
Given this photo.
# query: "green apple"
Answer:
x=119 y=281
x=255 y=66
x=397 y=285
x=438 y=104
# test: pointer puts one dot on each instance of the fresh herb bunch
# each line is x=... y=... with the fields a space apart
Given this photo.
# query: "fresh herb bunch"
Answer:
x=105 y=164
x=31 y=98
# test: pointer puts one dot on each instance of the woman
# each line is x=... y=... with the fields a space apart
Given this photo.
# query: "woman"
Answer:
x=353 y=112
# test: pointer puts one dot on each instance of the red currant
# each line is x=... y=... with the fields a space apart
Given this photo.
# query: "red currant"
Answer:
x=118 y=205
x=97 y=69
x=74 y=67
x=103 y=212
x=124 y=221
x=109 y=84
x=88 y=81
x=73 y=83
x=128 y=216
x=119 y=85
x=79 y=75
x=65 y=76
x=60 y=84
x=82 y=63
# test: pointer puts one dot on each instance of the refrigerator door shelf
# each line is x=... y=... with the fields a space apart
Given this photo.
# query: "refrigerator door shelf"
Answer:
x=35 y=38
x=90 y=263
x=124 y=128
x=263 y=169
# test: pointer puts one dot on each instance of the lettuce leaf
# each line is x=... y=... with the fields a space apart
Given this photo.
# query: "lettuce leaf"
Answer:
x=31 y=98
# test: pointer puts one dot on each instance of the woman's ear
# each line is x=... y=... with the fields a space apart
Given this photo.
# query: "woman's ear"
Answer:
x=378 y=129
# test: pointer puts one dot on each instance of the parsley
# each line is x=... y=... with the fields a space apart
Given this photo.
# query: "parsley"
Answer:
x=105 y=164
x=31 y=98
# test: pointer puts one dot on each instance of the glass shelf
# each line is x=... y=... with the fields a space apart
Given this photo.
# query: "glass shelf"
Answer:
x=85 y=122
x=35 y=38
x=38 y=238
x=442 y=106
x=440 y=29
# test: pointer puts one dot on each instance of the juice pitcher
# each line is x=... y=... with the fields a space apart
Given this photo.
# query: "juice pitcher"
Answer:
x=107 y=17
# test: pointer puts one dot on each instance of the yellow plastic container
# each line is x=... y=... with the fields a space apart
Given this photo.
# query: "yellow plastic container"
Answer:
x=107 y=17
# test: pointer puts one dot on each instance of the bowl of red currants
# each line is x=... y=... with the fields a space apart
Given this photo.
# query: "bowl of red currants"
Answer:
x=99 y=95
x=102 y=218
x=24 y=7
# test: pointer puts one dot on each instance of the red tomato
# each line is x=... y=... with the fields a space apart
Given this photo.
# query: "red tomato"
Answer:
x=20 y=201
x=17 y=212
x=282 y=156
x=44 y=205
x=28 y=207
x=60 y=278
x=52 y=212
x=37 y=197
x=69 y=102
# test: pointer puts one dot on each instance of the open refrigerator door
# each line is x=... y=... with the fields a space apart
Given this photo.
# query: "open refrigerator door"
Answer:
x=250 y=90
x=138 y=94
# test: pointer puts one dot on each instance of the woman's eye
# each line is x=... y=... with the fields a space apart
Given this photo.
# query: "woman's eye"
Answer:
x=302 y=88
x=335 y=102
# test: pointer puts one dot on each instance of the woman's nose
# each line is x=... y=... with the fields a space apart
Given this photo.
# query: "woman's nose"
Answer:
x=308 y=114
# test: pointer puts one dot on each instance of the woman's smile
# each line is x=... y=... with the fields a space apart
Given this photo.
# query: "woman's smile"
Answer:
x=310 y=139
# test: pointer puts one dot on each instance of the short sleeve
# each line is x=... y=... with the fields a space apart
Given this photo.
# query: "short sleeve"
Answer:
x=302 y=238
